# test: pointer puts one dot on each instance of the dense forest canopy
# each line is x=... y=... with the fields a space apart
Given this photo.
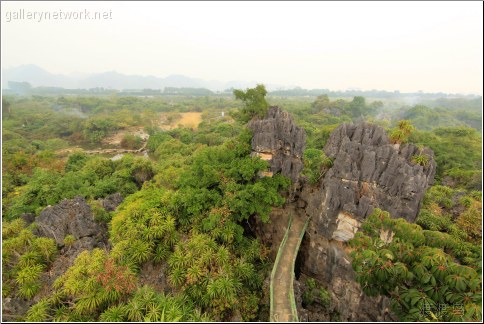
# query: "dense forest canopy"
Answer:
x=189 y=199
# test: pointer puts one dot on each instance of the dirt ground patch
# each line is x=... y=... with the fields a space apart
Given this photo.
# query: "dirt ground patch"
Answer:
x=117 y=137
x=188 y=119
x=68 y=151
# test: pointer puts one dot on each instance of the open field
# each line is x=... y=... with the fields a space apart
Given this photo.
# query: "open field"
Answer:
x=188 y=119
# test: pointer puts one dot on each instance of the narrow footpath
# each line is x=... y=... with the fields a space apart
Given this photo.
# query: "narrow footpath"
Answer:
x=283 y=306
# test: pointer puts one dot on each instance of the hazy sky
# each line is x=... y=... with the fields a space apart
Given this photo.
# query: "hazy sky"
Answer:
x=406 y=46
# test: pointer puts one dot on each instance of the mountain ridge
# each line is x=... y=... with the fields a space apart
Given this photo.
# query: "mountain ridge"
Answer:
x=39 y=77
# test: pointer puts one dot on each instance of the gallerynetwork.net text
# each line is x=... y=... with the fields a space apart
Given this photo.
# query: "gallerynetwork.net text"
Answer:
x=39 y=16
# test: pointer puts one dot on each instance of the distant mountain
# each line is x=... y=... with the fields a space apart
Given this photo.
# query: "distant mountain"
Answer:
x=39 y=77
x=36 y=76
x=115 y=80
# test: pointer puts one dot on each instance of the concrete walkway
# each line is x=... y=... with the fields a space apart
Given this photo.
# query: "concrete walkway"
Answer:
x=282 y=280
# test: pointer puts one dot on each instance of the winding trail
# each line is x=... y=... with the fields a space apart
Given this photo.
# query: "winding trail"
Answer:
x=283 y=305
x=117 y=150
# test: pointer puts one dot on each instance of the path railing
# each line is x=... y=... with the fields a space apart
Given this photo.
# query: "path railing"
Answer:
x=276 y=264
x=293 y=263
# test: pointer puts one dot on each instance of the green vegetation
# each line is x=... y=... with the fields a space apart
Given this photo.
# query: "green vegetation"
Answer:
x=315 y=164
x=421 y=270
x=255 y=104
x=88 y=177
x=24 y=258
x=190 y=203
x=195 y=229
x=400 y=134
x=131 y=142
x=448 y=113
x=316 y=293
x=458 y=154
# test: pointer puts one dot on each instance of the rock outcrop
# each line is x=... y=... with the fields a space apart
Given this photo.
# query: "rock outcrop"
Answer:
x=69 y=217
x=368 y=172
x=278 y=140
x=28 y=218
x=111 y=202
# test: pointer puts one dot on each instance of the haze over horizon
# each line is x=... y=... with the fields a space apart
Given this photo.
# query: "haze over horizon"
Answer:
x=405 y=46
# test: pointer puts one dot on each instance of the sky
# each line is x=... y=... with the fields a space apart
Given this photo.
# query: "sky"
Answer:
x=406 y=46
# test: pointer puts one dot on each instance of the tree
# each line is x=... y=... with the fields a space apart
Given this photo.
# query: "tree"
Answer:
x=322 y=102
x=255 y=104
x=357 y=107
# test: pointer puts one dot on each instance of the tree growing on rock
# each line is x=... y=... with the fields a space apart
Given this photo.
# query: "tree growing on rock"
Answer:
x=255 y=104
x=400 y=134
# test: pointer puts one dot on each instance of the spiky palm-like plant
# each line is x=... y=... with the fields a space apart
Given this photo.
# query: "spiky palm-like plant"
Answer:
x=113 y=314
x=421 y=159
x=46 y=247
x=177 y=277
x=12 y=228
x=28 y=280
x=134 y=310
x=39 y=312
x=162 y=251
x=140 y=251
x=29 y=258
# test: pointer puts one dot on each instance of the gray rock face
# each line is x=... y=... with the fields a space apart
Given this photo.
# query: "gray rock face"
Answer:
x=278 y=140
x=28 y=218
x=111 y=202
x=72 y=217
x=368 y=172
x=329 y=262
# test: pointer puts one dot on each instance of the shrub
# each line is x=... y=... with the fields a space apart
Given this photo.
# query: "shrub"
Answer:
x=131 y=142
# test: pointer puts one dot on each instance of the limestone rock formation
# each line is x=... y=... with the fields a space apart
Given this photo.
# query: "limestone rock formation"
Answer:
x=28 y=218
x=278 y=140
x=368 y=172
x=70 y=216
x=74 y=217
x=111 y=202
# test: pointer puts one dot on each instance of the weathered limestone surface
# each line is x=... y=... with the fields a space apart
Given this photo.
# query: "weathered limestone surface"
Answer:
x=69 y=217
x=368 y=172
x=278 y=140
